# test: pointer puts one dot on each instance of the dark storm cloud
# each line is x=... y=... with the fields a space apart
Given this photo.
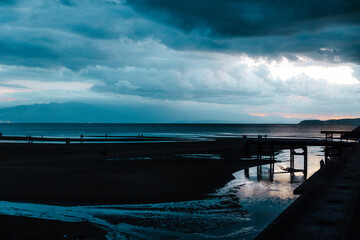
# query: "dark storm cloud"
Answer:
x=43 y=50
x=250 y=17
x=60 y=33
x=51 y=34
x=68 y=3
x=322 y=30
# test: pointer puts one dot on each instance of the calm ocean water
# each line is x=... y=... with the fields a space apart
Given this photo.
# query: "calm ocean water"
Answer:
x=180 y=130
x=239 y=210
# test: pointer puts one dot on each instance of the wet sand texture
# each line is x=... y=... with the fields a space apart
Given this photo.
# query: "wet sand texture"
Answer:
x=23 y=228
x=80 y=173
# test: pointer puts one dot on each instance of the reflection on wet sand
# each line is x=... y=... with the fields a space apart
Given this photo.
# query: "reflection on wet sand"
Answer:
x=280 y=177
x=291 y=169
x=259 y=172
x=269 y=174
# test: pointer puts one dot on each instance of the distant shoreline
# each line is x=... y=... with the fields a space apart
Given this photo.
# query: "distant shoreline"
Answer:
x=348 y=121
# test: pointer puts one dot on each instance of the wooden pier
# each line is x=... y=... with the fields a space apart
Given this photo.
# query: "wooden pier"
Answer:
x=331 y=135
x=265 y=148
x=297 y=147
x=328 y=207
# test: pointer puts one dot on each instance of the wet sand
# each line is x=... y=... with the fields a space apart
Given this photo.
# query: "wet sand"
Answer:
x=143 y=181
x=108 y=173
x=21 y=228
x=86 y=174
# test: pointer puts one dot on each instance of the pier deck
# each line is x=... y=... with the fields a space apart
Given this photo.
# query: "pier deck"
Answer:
x=296 y=142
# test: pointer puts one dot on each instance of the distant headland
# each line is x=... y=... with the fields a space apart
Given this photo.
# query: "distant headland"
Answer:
x=345 y=121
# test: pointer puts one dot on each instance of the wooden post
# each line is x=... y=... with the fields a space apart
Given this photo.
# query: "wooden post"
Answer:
x=305 y=160
x=271 y=172
x=246 y=171
x=259 y=150
x=272 y=151
x=292 y=158
x=258 y=172
x=292 y=177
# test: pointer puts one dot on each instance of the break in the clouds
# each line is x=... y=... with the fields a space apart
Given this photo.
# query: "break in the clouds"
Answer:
x=238 y=58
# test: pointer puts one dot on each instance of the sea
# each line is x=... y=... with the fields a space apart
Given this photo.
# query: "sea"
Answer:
x=167 y=130
x=241 y=209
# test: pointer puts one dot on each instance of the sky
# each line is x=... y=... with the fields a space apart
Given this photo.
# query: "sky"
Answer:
x=215 y=60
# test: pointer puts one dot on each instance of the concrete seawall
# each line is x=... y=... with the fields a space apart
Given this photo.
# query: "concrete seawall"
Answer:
x=328 y=209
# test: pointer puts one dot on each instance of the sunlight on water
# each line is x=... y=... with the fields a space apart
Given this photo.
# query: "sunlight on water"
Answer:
x=239 y=210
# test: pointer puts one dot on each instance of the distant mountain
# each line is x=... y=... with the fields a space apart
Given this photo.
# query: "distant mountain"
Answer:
x=56 y=112
x=203 y=121
x=75 y=112
x=347 y=121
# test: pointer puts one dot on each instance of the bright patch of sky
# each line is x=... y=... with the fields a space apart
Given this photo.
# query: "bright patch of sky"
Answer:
x=333 y=74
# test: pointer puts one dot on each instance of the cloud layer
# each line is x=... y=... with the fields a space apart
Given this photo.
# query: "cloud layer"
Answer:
x=229 y=54
x=249 y=18
x=327 y=30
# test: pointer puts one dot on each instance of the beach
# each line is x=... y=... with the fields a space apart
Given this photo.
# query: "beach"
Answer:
x=147 y=186
x=21 y=228
x=116 y=173
x=110 y=173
